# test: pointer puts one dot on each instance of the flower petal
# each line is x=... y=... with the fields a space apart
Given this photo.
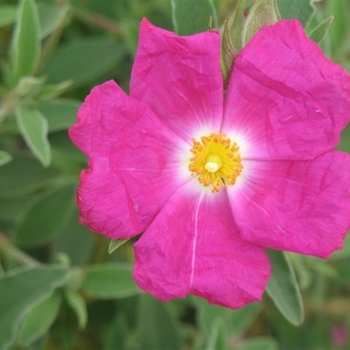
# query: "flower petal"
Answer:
x=193 y=246
x=300 y=206
x=179 y=78
x=132 y=158
x=285 y=97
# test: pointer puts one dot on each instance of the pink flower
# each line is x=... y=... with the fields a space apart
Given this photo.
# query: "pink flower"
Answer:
x=340 y=335
x=212 y=181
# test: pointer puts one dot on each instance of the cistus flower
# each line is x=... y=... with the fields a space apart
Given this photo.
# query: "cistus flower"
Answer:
x=212 y=179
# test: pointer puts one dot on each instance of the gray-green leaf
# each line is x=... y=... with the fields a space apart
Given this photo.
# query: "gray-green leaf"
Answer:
x=22 y=290
x=34 y=129
x=283 y=288
x=259 y=343
x=115 y=244
x=228 y=53
x=60 y=113
x=5 y=157
x=110 y=280
x=157 y=327
x=211 y=319
x=190 y=17
x=77 y=303
x=51 y=16
x=46 y=217
x=26 y=40
x=23 y=175
x=303 y=10
x=39 y=319
x=263 y=13
x=318 y=33
x=83 y=60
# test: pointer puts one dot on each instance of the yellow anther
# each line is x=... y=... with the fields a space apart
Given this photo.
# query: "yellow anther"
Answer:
x=216 y=161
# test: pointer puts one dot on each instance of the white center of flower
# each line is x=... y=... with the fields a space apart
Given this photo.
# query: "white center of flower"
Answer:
x=212 y=167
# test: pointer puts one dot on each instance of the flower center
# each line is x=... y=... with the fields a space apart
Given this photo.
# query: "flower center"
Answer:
x=216 y=161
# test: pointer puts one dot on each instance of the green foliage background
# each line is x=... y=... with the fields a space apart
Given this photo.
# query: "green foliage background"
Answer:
x=59 y=287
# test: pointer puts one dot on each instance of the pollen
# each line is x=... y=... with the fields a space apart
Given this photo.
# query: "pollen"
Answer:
x=216 y=161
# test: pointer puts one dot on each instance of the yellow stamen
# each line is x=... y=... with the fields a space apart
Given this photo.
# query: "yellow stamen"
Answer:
x=216 y=162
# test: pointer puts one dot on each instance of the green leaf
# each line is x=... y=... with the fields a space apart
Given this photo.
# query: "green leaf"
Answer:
x=115 y=244
x=12 y=209
x=46 y=217
x=117 y=334
x=83 y=60
x=77 y=303
x=228 y=53
x=211 y=319
x=157 y=327
x=22 y=176
x=5 y=157
x=242 y=319
x=8 y=15
x=20 y=291
x=65 y=156
x=339 y=31
x=60 y=113
x=26 y=40
x=29 y=87
x=51 y=16
x=303 y=10
x=259 y=343
x=39 y=319
x=343 y=253
x=51 y=91
x=318 y=33
x=110 y=280
x=283 y=288
x=75 y=241
x=342 y=266
x=218 y=338
x=263 y=13
x=345 y=140
x=190 y=17
x=34 y=129
x=303 y=272
x=323 y=267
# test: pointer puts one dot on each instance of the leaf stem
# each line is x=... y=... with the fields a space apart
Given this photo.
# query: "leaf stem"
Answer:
x=97 y=20
x=8 y=249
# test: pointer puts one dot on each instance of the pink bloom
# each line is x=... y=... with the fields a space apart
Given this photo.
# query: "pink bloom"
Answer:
x=339 y=335
x=212 y=182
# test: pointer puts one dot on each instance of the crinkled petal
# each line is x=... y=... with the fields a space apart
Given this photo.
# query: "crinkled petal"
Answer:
x=285 y=98
x=179 y=78
x=193 y=246
x=300 y=206
x=132 y=159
